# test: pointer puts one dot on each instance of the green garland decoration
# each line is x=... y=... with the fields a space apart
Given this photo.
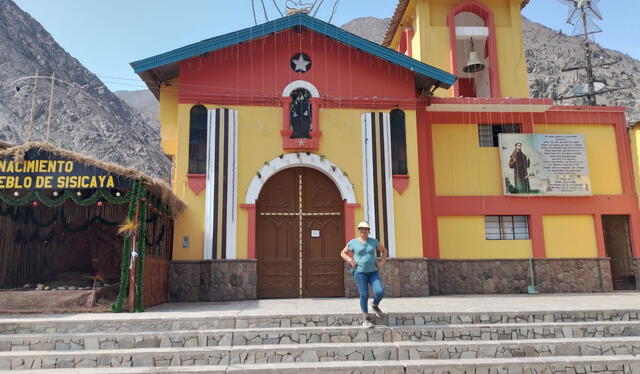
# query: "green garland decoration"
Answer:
x=52 y=202
x=141 y=246
x=126 y=251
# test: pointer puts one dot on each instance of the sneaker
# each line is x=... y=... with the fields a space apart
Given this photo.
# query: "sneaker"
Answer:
x=367 y=323
x=377 y=311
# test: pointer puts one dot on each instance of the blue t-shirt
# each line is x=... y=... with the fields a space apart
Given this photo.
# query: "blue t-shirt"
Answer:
x=364 y=254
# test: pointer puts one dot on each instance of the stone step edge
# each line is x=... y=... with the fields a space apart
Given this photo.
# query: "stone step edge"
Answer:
x=133 y=317
x=400 y=364
x=281 y=330
x=312 y=346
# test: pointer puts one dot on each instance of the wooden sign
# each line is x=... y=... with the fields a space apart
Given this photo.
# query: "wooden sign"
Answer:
x=42 y=170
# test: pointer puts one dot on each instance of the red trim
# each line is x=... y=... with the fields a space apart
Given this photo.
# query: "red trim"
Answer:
x=486 y=14
x=494 y=101
x=597 y=220
x=197 y=182
x=251 y=229
x=544 y=205
x=427 y=186
x=409 y=34
x=400 y=183
x=536 y=233
x=349 y=220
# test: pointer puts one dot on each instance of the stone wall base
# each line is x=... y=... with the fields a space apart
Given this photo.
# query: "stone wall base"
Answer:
x=447 y=277
x=215 y=280
x=401 y=277
x=226 y=280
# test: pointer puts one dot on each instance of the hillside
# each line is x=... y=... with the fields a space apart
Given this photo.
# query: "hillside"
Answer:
x=86 y=116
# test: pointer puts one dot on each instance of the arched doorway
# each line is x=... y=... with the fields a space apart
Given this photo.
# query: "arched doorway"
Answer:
x=299 y=236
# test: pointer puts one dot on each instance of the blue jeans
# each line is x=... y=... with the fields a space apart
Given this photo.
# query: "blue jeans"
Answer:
x=363 y=280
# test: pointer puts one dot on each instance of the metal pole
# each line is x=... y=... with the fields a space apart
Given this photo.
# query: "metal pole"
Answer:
x=53 y=81
x=33 y=106
x=587 y=49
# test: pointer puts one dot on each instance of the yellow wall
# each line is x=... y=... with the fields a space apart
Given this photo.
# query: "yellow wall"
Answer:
x=259 y=140
x=431 y=44
x=569 y=236
x=463 y=237
x=461 y=166
x=602 y=154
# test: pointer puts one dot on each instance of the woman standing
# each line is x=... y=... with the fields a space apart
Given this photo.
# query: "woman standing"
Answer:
x=365 y=265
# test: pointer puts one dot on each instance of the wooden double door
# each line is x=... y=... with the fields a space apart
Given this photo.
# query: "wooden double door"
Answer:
x=299 y=236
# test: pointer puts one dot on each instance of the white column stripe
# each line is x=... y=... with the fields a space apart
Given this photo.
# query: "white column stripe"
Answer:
x=210 y=181
x=232 y=185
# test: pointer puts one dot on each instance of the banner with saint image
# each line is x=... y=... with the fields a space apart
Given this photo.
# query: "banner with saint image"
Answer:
x=544 y=164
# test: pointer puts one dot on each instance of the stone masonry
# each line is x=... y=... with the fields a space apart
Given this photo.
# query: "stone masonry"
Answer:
x=216 y=280
x=226 y=280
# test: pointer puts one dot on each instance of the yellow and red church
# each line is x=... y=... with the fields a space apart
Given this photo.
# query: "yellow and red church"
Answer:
x=285 y=134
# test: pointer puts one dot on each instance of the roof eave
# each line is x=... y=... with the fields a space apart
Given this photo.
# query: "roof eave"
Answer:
x=153 y=64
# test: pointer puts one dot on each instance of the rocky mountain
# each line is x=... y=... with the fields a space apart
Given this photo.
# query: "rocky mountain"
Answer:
x=86 y=117
x=144 y=102
x=546 y=50
x=371 y=28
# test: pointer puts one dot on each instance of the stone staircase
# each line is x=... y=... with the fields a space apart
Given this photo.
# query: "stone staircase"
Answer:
x=571 y=342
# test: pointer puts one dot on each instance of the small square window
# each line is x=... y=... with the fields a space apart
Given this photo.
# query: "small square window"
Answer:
x=506 y=227
x=488 y=134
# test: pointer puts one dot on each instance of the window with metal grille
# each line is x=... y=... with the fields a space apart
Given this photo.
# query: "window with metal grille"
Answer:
x=398 y=143
x=198 y=140
x=488 y=134
x=506 y=227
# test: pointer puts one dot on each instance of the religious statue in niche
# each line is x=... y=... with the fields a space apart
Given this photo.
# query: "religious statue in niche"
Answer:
x=300 y=114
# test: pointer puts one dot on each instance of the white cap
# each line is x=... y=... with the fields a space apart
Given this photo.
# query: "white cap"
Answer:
x=363 y=225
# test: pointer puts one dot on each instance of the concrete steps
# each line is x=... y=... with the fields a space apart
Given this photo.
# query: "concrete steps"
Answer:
x=604 y=364
x=139 y=322
x=599 y=341
x=305 y=335
x=295 y=353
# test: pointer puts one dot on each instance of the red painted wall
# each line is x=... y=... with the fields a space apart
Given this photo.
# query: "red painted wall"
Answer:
x=259 y=70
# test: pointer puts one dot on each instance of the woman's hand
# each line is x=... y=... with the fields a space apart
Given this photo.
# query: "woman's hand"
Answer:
x=353 y=263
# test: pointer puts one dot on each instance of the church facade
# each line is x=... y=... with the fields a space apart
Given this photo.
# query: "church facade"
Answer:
x=284 y=135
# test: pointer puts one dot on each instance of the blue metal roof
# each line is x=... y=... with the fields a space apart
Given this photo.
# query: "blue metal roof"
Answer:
x=286 y=23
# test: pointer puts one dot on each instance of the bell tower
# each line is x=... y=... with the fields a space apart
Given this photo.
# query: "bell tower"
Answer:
x=480 y=41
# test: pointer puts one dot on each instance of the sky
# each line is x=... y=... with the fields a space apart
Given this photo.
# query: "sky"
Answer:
x=106 y=36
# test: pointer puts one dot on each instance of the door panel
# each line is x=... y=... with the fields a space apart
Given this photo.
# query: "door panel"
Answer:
x=618 y=247
x=323 y=268
x=278 y=265
x=289 y=199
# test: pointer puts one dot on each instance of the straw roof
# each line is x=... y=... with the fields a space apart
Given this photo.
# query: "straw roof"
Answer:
x=156 y=187
x=4 y=145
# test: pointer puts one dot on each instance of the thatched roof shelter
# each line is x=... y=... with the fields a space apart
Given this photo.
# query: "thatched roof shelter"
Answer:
x=155 y=186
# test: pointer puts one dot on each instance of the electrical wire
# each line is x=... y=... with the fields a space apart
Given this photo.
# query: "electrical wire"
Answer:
x=253 y=8
x=335 y=7
x=318 y=9
x=278 y=8
x=264 y=9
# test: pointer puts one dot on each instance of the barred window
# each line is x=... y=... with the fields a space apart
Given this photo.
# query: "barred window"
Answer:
x=398 y=143
x=198 y=140
x=506 y=227
x=488 y=134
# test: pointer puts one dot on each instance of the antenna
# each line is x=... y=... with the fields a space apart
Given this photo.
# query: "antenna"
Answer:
x=298 y=6
x=582 y=15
